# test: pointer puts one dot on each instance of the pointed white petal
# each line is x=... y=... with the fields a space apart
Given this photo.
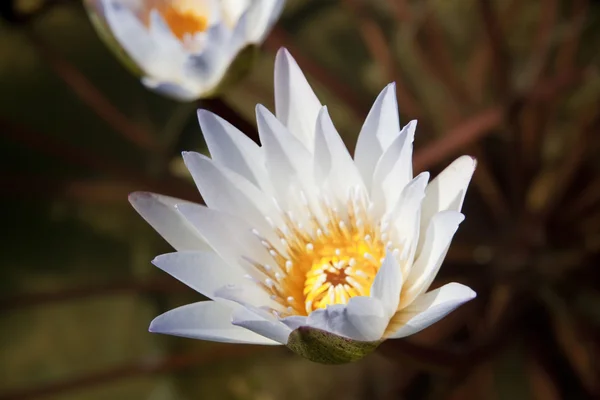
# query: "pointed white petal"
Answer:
x=429 y=308
x=393 y=170
x=230 y=236
x=260 y=322
x=231 y=148
x=379 y=130
x=160 y=212
x=447 y=191
x=363 y=318
x=206 y=320
x=288 y=161
x=203 y=271
x=223 y=189
x=439 y=234
x=333 y=162
x=387 y=284
x=296 y=105
x=406 y=217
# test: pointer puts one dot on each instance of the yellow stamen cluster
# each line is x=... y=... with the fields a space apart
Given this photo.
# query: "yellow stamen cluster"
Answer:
x=327 y=261
x=184 y=17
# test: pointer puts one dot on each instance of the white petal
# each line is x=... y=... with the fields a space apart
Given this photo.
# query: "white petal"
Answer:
x=363 y=319
x=379 y=130
x=262 y=14
x=206 y=320
x=387 y=284
x=393 y=170
x=129 y=32
x=173 y=90
x=406 y=217
x=296 y=105
x=439 y=234
x=160 y=212
x=230 y=147
x=230 y=236
x=288 y=161
x=233 y=9
x=295 y=321
x=260 y=322
x=247 y=294
x=332 y=159
x=429 y=308
x=447 y=191
x=223 y=189
x=203 y=271
x=208 y=66
x=169 y=55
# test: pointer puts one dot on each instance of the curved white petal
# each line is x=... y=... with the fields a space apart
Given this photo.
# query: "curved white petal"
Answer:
x=429 y=308
x=388 y=284
x=203 y=271
x=379 y=130
x=263 y=14
x=169 y=89
x=206 y=320
x=260 y=322
x=161 y=213
x=129 y=31
x=247 y=294
x=439 y=234
x=447 y=191
x=393 y=170
x=208 y=66
x=363 y=319
x=233 y=9
x=295 y=321
x=231 y=237
x=296 y=105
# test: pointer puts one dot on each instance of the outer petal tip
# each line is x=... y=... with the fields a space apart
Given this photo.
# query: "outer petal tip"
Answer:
x=135 y=197
x=327 y=348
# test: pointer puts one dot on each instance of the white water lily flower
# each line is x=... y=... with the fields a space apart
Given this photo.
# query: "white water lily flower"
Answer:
x=301 y=245
x=185 y=47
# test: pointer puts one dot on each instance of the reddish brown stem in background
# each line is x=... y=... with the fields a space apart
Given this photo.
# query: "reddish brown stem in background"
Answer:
x=376 y=42
x=143 y=367
x=82 y=157
x=93 y=98
x=454 y=140
x=81 y=293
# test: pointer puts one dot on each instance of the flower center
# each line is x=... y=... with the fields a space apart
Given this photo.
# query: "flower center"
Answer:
x=341 y=264
x=184 y=17
x=324 y=261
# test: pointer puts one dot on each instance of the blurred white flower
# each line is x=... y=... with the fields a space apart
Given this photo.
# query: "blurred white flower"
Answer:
x=185 y=48
x=301 y=245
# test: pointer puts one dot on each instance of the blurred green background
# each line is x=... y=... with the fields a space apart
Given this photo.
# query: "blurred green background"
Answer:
x=514 y=83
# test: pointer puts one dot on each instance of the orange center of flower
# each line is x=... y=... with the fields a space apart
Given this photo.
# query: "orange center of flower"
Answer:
x=184 y=17
x=325 y=263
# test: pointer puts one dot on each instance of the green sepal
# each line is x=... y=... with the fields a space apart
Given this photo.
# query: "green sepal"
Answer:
x=327 y=348
x=105 y=34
